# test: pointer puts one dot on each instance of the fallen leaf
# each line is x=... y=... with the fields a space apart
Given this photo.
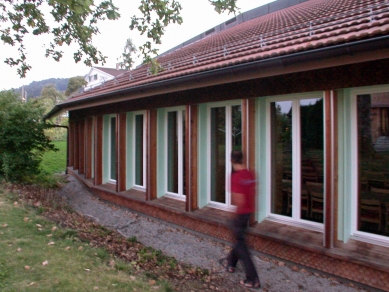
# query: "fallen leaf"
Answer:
x=51 y=243
x=5 y=225
x=95 y=288
x=27 y=267
x=26 y=219
x=19 y=249
x=54 y=228
x=87 y=270
x=67 y=248
x=80 y=248
x=132 y=278
x=49 y=235
x=1 y=203
x=152 y=282
x=32 y=283
x=15 y=203
x=38 y=225
x=45 y=263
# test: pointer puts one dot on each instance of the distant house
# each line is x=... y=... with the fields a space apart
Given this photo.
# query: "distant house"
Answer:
x=99 y=75
x=302 y=87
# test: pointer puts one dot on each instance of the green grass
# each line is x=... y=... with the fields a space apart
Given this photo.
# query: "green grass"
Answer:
x=55 y=162
x=28 y=240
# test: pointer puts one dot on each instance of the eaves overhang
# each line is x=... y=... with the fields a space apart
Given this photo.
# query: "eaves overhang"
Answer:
x=363 y=50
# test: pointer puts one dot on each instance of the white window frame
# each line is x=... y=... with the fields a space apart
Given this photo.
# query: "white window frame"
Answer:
x=295 y=219
x=140 y=187
x=181 y=131
x=228 y=105
x=355 y=233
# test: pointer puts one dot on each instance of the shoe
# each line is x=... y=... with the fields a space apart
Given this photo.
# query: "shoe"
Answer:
x=251 y=284
x=227 y=267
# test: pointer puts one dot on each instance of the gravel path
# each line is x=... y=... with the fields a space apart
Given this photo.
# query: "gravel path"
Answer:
x=195 y=249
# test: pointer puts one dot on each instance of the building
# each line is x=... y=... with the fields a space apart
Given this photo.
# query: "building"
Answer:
x=99 y=75
x=302 y=87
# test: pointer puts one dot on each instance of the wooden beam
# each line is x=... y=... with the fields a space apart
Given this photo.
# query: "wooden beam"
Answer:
x=71 y=144
x=76 y=153
x=98 y=143
x=329 y=148
x=88 y=147
x=191 y=158
x=81 y=148
x=151 y=184
x=121 y=152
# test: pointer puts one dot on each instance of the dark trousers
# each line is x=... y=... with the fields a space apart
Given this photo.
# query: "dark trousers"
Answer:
x=240 y=250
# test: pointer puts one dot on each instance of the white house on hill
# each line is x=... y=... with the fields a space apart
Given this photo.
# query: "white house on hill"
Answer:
x=99 y=75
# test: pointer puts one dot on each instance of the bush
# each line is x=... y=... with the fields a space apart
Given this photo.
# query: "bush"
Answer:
x=22 y=138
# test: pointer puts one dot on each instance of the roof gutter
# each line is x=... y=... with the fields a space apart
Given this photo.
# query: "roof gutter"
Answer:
x=309 y=55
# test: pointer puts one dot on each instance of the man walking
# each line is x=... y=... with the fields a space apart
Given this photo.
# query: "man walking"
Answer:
x=243 y=196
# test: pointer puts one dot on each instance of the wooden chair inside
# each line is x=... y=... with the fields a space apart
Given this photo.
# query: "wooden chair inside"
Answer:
x=304 y=202
x=317 y=203
x=382 y=195
x=370 y=212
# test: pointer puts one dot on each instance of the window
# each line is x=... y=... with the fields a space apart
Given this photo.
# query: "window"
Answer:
x=373 y=163
x=176 y=152
x=95 y=77
x=296 y=158
x=112 y=149
x=225 y=123
x=140 y=151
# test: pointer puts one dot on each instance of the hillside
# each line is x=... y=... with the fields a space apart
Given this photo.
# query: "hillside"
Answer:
x=34 y=88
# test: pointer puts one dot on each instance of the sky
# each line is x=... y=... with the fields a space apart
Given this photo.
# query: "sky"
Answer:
x=198 y=17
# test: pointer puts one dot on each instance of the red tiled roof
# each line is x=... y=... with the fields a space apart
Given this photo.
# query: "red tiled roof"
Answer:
x=300 y=28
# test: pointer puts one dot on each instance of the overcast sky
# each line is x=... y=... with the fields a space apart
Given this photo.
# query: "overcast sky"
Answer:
x=198 y=16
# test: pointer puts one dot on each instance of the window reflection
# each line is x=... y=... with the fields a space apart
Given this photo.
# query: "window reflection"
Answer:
x=373 y=152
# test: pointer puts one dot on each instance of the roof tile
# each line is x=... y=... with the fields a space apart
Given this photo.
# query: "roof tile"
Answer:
x=305 y=26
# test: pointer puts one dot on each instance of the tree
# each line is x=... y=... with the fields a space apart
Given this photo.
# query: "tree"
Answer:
x=77 y=21
x=75 y=83
x=22 y=138
x=127 y=58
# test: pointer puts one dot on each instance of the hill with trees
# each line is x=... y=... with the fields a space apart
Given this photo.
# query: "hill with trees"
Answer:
x=34 y=89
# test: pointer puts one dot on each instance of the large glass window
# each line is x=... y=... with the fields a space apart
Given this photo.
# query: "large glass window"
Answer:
x=225 y=136
x=373 y=163
x=176 y=152
x=140 y=158
x=296 y=133
x=112 y=148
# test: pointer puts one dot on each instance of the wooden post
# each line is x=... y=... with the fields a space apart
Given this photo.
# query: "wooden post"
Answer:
x=151 y=184
x=121 y=152
x=98 y=130
x=191 y=158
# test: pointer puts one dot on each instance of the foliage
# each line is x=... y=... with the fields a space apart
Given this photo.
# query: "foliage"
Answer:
x=127 y=58
x=75 y=21
x=22 y=138
x=75 y=83
x=71 y=19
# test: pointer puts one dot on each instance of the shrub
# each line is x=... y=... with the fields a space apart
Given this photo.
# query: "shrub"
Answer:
x=22 y=138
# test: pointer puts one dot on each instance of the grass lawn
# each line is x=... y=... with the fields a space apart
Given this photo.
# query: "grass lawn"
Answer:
x=55 y=162
x=36 y=255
